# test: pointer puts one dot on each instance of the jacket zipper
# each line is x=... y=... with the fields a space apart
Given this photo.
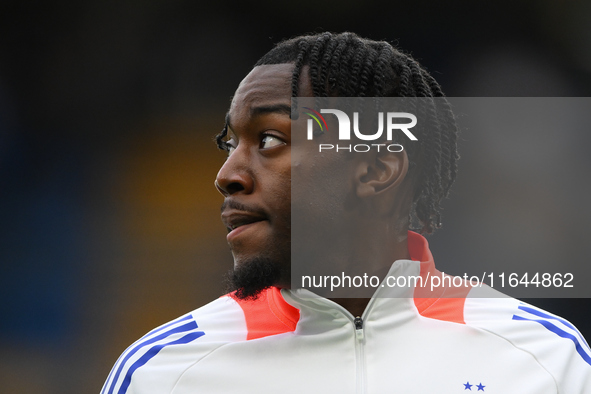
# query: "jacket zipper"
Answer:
x=358 y=322
x=360 y=353
x=358 y=327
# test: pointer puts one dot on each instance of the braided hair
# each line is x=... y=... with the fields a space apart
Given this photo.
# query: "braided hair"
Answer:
x=346 y=65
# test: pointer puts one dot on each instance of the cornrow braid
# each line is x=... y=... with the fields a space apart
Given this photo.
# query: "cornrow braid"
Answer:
x=315 y=55
x=346 y=65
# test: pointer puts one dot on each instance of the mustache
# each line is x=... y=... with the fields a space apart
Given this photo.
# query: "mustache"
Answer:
x=233 y=204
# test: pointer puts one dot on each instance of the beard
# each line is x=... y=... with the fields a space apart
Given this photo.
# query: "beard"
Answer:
x=252 y=277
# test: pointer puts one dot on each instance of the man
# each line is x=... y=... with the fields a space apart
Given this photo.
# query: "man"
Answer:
x=270 y=335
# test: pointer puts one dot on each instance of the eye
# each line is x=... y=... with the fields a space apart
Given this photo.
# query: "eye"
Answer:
x=270 y=141
x=230 y=146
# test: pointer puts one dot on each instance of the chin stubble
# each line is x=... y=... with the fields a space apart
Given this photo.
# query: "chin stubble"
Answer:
x=250 y=278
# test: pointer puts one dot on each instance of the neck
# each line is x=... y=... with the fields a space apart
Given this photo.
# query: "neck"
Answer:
x=396 y=250
x=355 y=306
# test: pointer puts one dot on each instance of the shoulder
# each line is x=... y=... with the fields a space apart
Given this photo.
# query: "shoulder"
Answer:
x=553 y=342
x=155 y=362
x=176 y=344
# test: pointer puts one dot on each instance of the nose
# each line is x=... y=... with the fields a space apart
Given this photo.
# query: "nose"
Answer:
x=235 y=175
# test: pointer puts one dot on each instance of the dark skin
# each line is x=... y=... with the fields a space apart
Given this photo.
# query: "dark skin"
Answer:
x=255 y=181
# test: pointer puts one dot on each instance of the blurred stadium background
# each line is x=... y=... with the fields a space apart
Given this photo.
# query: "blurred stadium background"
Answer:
x=109 y=221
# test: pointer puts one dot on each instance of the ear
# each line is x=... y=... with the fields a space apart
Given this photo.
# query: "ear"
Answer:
x=380 y=172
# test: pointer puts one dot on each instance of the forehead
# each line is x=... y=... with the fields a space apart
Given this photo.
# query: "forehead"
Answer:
x=264 y=85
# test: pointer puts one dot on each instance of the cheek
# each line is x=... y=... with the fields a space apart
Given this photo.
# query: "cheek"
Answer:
x=277 y=189
x=321 y=187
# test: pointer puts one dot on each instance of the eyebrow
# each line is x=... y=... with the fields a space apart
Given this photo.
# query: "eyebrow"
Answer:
x=277 y=108
x=264 y=109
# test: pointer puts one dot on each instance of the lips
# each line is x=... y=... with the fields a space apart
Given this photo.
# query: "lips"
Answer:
x=239 y=217
x=234 y=220
x=235 y=215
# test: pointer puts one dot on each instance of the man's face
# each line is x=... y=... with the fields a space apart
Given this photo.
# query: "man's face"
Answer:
x=256 y=177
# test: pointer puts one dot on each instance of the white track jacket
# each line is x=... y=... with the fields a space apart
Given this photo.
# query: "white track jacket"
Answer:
x=406 y=341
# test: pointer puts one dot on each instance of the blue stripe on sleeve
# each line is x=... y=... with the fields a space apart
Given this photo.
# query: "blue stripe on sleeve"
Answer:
x=560 y=333
x=154 y=331
x=164 y=327
x=140 y=344
x=151 y=353
x=540 y=313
